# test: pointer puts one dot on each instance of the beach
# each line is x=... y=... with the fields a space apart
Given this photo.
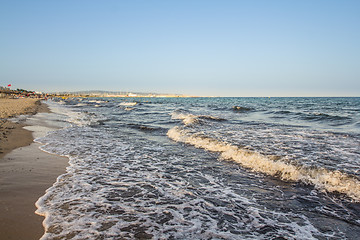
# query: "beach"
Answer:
x=25 y=171
x=183 y=168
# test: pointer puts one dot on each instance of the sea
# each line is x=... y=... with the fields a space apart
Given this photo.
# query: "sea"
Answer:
x=204 y=168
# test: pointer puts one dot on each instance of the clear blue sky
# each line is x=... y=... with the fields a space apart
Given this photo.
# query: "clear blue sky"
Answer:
x=198 y=47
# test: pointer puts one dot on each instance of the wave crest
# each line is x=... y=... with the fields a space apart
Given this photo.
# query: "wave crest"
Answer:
x=241 y=109
x=189 y=118
x=127 y=103
x=323 y=179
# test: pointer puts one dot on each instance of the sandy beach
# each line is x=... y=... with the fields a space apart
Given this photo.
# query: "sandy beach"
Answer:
x=12 y=135
x=25 y=171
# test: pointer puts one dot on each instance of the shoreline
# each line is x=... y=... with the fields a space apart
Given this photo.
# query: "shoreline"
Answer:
x=25 y=174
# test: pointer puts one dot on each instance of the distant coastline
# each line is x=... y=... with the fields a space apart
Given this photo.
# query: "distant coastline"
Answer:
x=118 y=94
x=21 y=93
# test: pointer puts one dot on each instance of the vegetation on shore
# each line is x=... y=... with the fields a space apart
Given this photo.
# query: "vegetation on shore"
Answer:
x=19 y=93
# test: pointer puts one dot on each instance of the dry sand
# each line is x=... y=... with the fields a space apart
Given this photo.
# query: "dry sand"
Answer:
x=12 y=135
x=25 y=173
x=14 y=107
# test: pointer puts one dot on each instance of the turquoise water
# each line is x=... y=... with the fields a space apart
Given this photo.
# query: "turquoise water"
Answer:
x=205 y=168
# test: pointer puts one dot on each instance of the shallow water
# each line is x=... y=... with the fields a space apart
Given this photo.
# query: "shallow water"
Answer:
x=205 y=168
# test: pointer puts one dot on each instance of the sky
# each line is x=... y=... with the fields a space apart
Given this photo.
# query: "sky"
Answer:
x=197 y=47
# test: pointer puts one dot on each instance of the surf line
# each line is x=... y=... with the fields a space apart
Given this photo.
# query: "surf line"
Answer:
x=321 y=178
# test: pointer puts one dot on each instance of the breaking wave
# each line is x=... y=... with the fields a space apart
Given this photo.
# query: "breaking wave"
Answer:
x=189 y=119
x=127 y=103
x=321 y=178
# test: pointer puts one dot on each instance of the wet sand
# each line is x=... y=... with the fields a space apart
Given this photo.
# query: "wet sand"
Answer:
x=25 y=173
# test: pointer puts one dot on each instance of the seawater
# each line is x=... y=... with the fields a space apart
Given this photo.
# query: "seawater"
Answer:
x=205 y=168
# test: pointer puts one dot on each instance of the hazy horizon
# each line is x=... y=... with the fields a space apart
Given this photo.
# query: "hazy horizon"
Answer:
x=178 y=93
x=203 y=48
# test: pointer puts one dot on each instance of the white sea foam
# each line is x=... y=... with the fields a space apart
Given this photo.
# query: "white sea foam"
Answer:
x=81 y=104
x=73 y=117
x=118 y=186
x=324 y=179
x=189 y=119
x=78 y=118
x=185 y=117
x=78 y=205
x=127 y=103
x=97 y=101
